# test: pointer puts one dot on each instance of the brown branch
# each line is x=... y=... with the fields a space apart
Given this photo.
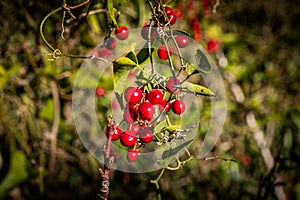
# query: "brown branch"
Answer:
x=108 y=161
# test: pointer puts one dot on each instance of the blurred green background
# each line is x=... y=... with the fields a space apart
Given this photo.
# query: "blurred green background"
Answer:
x=42 y=156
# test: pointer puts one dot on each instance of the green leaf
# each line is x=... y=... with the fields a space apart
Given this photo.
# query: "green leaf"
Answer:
x=191 y=69
x=124 y=61
x=121 y=68
x=47 y=112
x=110 y=9
x=169 y=154
x=120 y=4
x=202 y=62
x=196 y=89
x=16 y=174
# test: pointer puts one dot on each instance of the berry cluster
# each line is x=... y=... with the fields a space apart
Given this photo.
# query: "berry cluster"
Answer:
x=143 y=107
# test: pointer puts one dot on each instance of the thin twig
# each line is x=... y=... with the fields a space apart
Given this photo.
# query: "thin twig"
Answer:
x=55 y=125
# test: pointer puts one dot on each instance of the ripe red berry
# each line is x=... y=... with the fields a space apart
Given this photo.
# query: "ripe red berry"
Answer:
x=172 y=85
x=155 y=96
x=162 y=52
x=99 y=91
x=145 y=32
x=146 y=135
x=110 y=43
x=122 y=32
x=130 y=115
x=178 y=107
x=134 y=128
x=212 y=46
x=172 y=18
x=171 y=15
x=133 y=95
x=182 y=41
x=146 y=110
x=127 y=138
x=168 y=10
x=166 y=105
x=132 y=155
x=116 y=133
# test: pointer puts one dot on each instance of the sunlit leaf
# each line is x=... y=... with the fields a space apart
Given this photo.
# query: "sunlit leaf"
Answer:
x=196 y=89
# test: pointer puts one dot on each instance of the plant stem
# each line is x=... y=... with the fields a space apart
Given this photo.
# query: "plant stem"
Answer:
x=155 y=182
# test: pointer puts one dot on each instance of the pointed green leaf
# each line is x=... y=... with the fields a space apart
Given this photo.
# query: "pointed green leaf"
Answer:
x=121 y=68
x=196 y=89
x=202 y=62
x=110 y=9
x=191 y=69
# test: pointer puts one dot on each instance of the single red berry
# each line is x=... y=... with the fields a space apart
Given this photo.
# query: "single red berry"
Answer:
x=110 y=43
x=162 y=52
x=182 y=41
x=168 y=10
x=127 y=138
x=134 y=128
x=122 y=32
x=100 y=91
x=130 y=115
x=116 y=133
x=145 y=32
x=155 y=96
x=173 y=85
x=146 y=135
x=133 y=95
x=178 y=107
x=172 y=18
x=132 y=155
x=212 y=46
x=146 y=110
x=165 y=105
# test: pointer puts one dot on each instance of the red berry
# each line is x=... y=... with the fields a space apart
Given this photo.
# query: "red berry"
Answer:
x=127 y=138
x=99 y=91
x=178 y=107
x=155 y=96
x=171 y=15
x=212 y=46
x=146 y=110
x=165 y=104
x=172 y=85
x=145 y=32
x=182 y=41
x=172 y=18
x=133 y=95
x=122 y=32
x=132 y=155
x=116 y=133
x=130 y=115
x=110 y=43
x=134 y=128
x=168 y=10
x=146 y=135
x=162 y=52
